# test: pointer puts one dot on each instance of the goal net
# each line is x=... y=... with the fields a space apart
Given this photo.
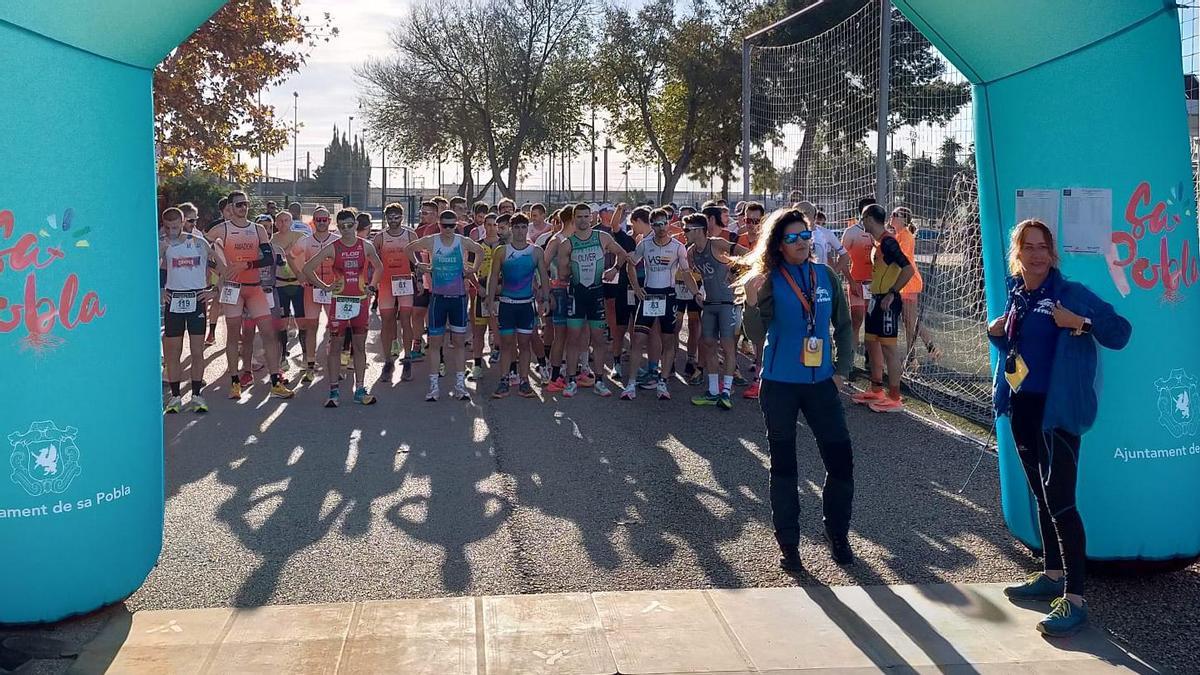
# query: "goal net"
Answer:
x=813 y=123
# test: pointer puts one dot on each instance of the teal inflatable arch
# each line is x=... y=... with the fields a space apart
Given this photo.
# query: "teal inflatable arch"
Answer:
x=81 y=487
x=1079 y=105
x=1082 y=96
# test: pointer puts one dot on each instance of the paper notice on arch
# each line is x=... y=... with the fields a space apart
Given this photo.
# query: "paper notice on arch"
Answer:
x=1086 y=220
x=1038 y=205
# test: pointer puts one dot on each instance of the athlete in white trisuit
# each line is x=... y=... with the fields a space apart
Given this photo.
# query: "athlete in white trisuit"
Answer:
x=662 y=257
x=449 y=270
x=186 y=292
x=315 y=301
x=396 y=292
x=518 y=278
x=350 y=257
x=246 y=248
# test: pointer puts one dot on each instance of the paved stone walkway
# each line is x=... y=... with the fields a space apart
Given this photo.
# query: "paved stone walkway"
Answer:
x=936 y=628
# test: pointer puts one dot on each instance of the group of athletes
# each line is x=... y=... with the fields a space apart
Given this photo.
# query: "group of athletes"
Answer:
x=575 y=298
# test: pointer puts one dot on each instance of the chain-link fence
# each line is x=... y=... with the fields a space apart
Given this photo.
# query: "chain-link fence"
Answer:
x=813 y=120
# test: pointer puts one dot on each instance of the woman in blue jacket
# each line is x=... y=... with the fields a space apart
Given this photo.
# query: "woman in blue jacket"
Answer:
x=1046 y=385
x=799 y=301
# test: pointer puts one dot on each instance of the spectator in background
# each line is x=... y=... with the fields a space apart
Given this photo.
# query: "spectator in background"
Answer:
x=1048 y=336
x=891 y=271
x=223 y=211
x=906 y=233
x=297 y=211
x=271 y=209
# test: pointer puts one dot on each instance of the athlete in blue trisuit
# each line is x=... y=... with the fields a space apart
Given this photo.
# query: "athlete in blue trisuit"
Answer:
x=518 y=275
x=449 y=267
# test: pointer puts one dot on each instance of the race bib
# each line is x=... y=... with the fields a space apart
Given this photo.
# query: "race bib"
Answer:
x=270 y=293
x=656 y=305
x=346 y=308
x=683 y=292
x=183 y=302
x=630 y=297
x=230 y=293
x=402 y=286
x=322 y=296
x=485 y=307
x=866 y=292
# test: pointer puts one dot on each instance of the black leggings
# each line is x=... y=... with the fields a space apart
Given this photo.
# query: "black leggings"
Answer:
x=782 y=403
x=1051 y=461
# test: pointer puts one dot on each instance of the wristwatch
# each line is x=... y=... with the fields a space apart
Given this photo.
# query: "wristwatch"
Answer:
x=1085 y=329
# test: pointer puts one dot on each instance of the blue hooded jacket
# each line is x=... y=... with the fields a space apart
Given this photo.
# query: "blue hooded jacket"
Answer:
x=1071 y=401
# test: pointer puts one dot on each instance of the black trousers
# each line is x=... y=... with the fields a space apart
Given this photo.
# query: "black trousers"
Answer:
x=782 y=403
x=1051 y=461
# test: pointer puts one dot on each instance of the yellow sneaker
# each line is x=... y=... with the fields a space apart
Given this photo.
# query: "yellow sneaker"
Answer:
x=279 y=390
x=235 y=390
x=308 y=376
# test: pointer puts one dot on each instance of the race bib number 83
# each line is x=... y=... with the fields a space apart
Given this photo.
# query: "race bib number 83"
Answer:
x=655 y=306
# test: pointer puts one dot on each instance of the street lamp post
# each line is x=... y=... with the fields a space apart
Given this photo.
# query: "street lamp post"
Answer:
x=350 y=171
x=607 y=146
x=593 y=130
x=295 y=145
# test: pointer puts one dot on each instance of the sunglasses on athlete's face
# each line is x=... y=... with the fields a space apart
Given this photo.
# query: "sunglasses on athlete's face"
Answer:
x=241 y=205
x=794 y=237
x=321 y=220
x=658 y=223
x=347 y=224
x=446 y=224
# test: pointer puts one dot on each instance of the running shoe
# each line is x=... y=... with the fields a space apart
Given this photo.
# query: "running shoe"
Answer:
x=442 y=369
x=724 y=402
x=887 y=404
x=696 y=379
x=235 y=390
x=868 y=396
x=388 y=368
x=211 y=338
x=361 y=396
x=544 y=373
x=556 y=385
x=738 y=380
x=199 y=405
x=280 y=390
x=461 y=393
x=246 y=379
x=664 y=394
x=1065 y=618
x=501 y=389
x=602 y=389
x=417 y=354
x=705 y=399
x=586 y=378
x=174 y=404
x=571 y=389
x=494 y=357
x=256 y=366
x=752 y=390
x=649 y=381
x=525 y=389
x=406 y=370
x=432 y=396
x=476 y=373
x=629 y=392
x=1037 y=587
x=309 y=375
x=689 y=370
x=332 y=401
x=396 y=348
x=345 y=359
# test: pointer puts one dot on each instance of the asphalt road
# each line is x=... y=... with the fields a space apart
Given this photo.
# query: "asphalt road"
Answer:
x=281 y=502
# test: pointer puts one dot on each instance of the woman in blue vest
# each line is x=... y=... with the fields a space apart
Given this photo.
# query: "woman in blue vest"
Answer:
x=1048 y=336
x=799 y=300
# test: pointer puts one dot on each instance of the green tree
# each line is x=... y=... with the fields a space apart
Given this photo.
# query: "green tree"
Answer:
x=205 y=91
x=345 y=170
x=666 y=78
x=201 y=188
x=514 y=95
